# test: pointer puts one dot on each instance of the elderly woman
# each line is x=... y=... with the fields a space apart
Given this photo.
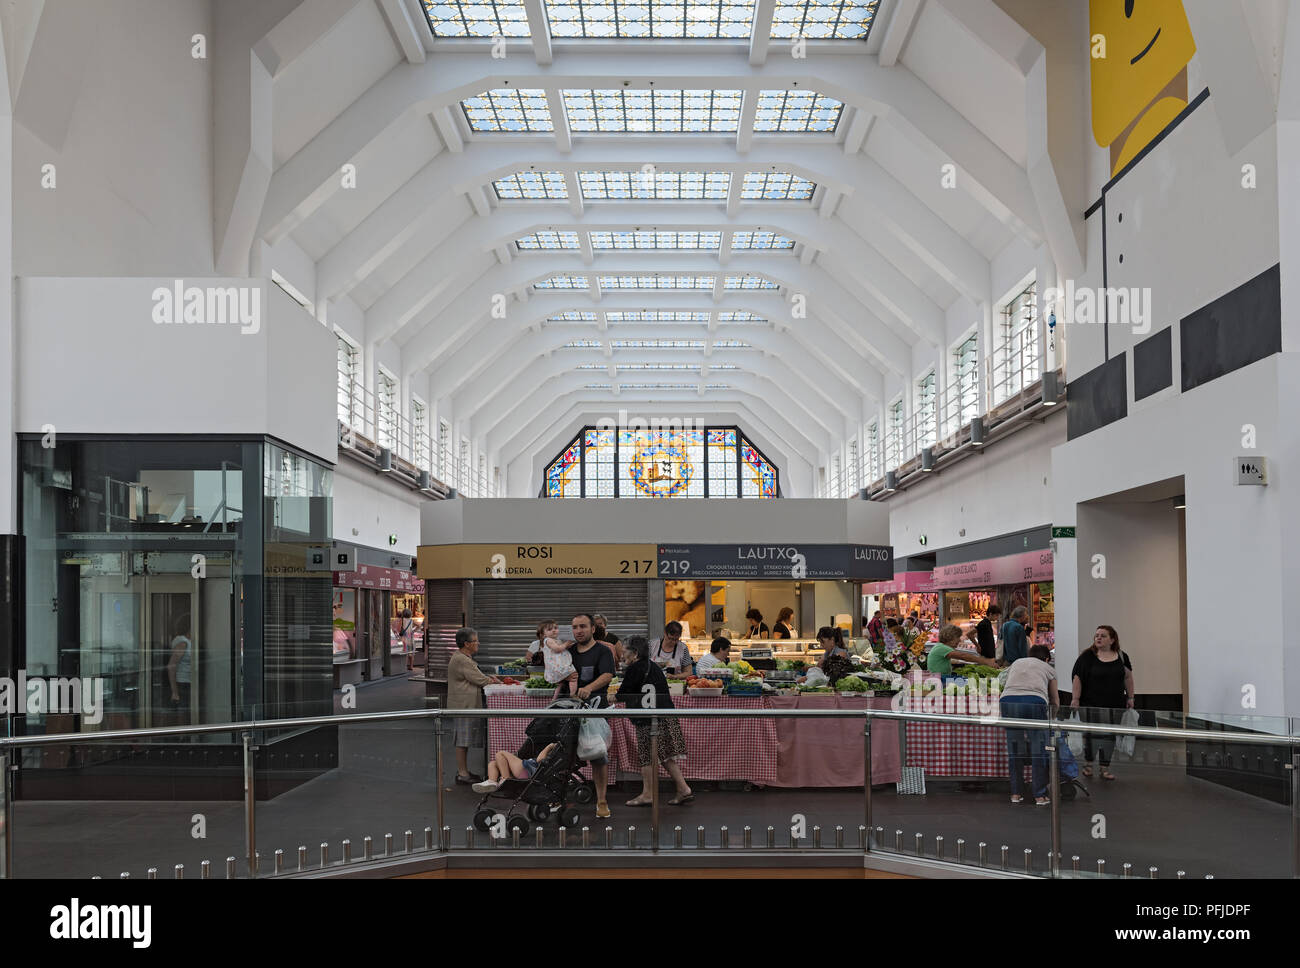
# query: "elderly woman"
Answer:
x=672 y=745
x=465 y=682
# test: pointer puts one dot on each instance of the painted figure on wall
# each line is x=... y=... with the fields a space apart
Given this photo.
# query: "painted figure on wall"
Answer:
x=1139 y=55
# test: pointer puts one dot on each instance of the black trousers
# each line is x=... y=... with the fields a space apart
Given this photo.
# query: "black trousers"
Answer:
x=1104 y=745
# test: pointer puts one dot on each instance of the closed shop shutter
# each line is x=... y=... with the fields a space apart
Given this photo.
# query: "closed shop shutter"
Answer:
x=506 y=612
x=443 y=615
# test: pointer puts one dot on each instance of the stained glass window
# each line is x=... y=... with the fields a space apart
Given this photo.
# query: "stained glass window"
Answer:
x=661 y=185
x=797 y=111
x=656 y=316
x=531 y=184
x=739 y=316
x=748 y=282
x=659 y=111
x=572 y=316
x=760 y=240
x=656 y=282
x=598 y=463
x=661 y=464
x=548 y=239
x=562 y=478
x=459 y=18
x=508 y=109
x=655 y=240
x=758 y=476
x=650 y=18
x=724 y=472
x=776 y=186
x=824 y=19
x=562 y=282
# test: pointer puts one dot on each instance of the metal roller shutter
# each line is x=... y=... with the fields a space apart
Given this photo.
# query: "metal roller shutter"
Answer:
x=506 y=612
x=444 y=613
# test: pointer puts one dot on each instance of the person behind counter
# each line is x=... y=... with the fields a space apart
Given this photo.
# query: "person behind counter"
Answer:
x=986 y=631
x=1015 y=640
x=719 y=654
x=672 y=744
x=831 y=641
x=670 y=652
x=945 y=652
x=757 y=628
x=875 y=630
x=465 y=682
x=603 y=634
x=783 y=628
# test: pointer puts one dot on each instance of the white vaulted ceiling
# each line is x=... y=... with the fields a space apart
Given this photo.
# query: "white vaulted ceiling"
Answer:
x=423 y=244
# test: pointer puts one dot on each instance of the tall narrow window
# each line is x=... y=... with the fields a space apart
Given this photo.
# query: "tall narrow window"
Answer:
x=894 y=457
x=387 y=428
x=1016 y=358
x=420 y=434
x=482 y=476
x=926 y=413
x=963 y=396
x=854 y=477
x=462 y=466
x=349 y=390
x=875 y=457
x=444 y=452
x=837 y=480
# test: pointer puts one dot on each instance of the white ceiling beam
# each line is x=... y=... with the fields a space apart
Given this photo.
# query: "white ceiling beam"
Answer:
x=761 y=37
x=300 y=30
x=478 y=199
x=308 y=179
x=830 y=199
x=405 y=31
x=448 y=130
x=503 y=254
x=584 y=246
x=559 y=121
x=1243 y=100
x=734 y=189
x=858 y=130
x=539 y=30
x=745 y=129
x=574 y=190
x=898 y=30
x=724 y=248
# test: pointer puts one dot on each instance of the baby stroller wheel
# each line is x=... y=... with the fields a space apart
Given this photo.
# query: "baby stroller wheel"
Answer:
x=483 y=819
x=569 y=817
x=539 y=812
x=517 y=823
x=583 y=792
x=1068 y=791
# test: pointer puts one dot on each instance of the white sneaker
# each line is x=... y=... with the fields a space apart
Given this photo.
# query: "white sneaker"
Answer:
x=486 y=786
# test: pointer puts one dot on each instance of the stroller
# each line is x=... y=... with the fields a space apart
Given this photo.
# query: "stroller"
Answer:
x=557 y=786
x=1069 y=769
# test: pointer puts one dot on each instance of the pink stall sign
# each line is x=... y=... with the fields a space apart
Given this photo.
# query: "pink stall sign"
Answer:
x=1009 y=570
x=373 y=576
x=908 y=581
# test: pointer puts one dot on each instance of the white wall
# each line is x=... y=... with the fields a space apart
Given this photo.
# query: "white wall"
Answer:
x=91 y=360
x=365 y=501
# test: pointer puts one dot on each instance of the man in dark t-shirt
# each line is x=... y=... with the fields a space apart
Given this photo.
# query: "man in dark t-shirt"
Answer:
x=595 y=664
x=984 y=632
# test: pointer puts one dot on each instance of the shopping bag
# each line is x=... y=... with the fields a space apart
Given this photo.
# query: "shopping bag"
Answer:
x=593 y=739
x=1127 y=743
x=1074 y=738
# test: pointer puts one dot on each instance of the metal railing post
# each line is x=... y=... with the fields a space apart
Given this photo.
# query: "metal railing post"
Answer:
x=250 y=799
x=1054 y=861
x=1295 y=812
x=866 y=781
x=439 y=806
x=6 y=820
x=654 y=789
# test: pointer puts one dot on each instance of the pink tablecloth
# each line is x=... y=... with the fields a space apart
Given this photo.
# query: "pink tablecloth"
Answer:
x=828 y=752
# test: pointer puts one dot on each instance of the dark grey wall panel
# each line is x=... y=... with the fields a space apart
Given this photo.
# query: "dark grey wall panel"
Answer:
x=1153 y=364
x=1033 y=539
x=1097 y=398
x=1235 y=330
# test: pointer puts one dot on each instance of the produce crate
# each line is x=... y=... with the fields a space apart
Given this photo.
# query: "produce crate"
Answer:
x=708 y=693
x=539 y=693
x=745 y=689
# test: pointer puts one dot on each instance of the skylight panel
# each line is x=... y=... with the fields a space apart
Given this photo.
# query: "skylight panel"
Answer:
x=657 y=344
x=731 y=344
x=572 y=316
x=824 y=19
x=657 y=240
x=548 y=239
x=803 y=111
x=748 y=282
x=496 y=18
x=562 y=282
x=508 y=109
x=590 y=366
x=776 y=186
x=596 y=386
x=653 y=111
x=657 y=316
x=623 y=367
x=531 y=184
x=656 y=282
x=658 y=386
x=661 y=185
x=739 y=316
x=724 y=366
x=582 y=344
x=717 y=386
x=760 y=240
x=733 y=19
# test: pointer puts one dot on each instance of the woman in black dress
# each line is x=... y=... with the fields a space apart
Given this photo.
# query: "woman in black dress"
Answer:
x=641 y=672
x=783 y=629
x=1102 y=686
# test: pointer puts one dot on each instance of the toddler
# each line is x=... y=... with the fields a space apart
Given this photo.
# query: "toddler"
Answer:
x=559 y=664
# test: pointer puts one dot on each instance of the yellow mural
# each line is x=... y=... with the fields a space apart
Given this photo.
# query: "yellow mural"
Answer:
x=1139 y=81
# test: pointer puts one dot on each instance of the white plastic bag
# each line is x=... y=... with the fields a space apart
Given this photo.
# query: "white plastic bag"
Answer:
x=816 y=677
x=1127 y=743
x=593 y=739
x=1074 y=738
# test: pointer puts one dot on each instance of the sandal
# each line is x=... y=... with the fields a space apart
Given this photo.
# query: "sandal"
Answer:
x=1017 y=798
x=638 y=802
x=682 y=801
x=1087 y=771
x=1108 y=775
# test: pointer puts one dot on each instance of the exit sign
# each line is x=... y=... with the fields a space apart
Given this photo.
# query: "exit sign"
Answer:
x=1063 y=532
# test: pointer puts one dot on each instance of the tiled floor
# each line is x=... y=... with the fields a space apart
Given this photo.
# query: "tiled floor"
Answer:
x=1152 y=816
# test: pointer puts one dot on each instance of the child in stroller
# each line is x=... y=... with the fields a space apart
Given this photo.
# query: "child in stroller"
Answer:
x=543 y=775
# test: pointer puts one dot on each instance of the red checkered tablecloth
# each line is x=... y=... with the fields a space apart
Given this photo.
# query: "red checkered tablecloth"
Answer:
x=716 y=749
x=946 y=749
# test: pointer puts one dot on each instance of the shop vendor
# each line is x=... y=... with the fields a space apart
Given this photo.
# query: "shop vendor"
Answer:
x=945 y=653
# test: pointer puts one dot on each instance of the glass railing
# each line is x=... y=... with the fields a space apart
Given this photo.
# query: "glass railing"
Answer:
x=1195 y=796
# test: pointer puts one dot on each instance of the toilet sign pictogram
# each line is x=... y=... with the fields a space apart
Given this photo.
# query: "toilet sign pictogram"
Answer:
x=1252 y=470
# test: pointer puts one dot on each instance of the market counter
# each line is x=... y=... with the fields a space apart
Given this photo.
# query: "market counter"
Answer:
x=828 y=752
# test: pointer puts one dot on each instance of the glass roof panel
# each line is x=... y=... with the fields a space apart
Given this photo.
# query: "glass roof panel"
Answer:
x=663 y=185
x=572 y=316
x=717 y=386
x=656 y=282
x=731 y=344
x=739 y=316
x=659 y=386
x=657 y=344
x=760 y=240
x=508 y=109
x=532 y=184
x=562 y=282
x=651 y=19
x=824 y=19
x=656 y=240
x=582 y=344
x=724 y=366
x=548 y=239
x=776 y=186
x=622 y=367
x=596 y=386
x=496 y=18
x=748 y=282
x=803 y=111
x=653 y=110
x=657 y=316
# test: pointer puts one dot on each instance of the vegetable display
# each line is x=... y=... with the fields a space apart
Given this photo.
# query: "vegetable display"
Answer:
x=852 y=684
x=741 y=668
x=515 y=665
x=792 y=665
x=538 y=682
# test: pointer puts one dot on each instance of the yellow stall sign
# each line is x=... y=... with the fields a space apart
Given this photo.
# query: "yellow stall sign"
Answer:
x=537 y=561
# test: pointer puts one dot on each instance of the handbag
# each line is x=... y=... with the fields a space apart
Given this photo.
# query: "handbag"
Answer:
x=1074 y=738
x=593 y=739
x=1127 y=743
